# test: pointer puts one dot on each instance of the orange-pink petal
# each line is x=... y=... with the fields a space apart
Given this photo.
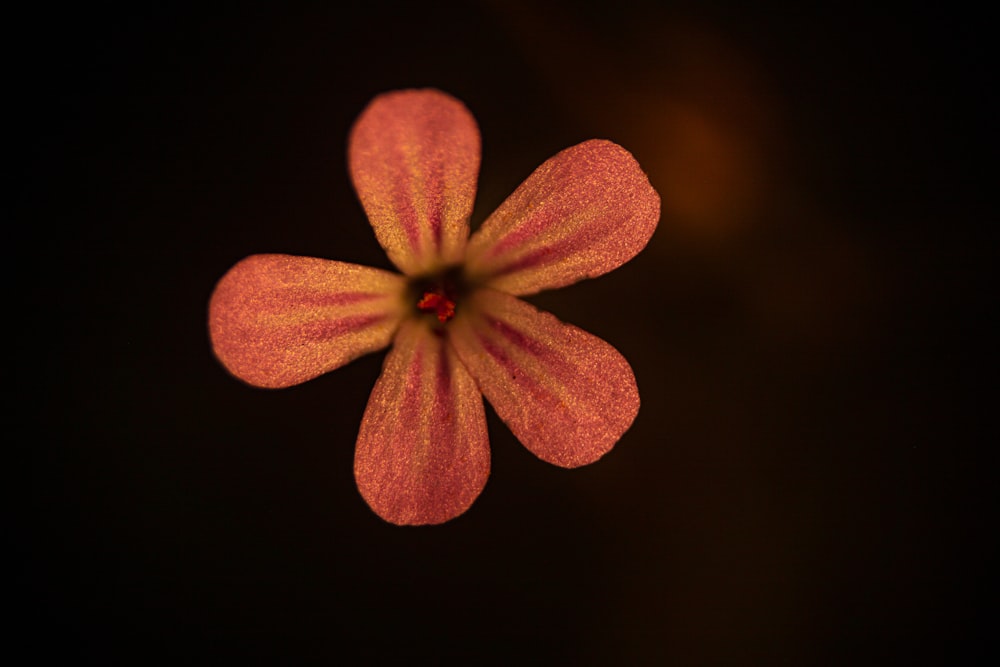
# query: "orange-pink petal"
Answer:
x=279 y=320
x=414 y=160
x=584 y=212
x=567 y=395
x=423 y=453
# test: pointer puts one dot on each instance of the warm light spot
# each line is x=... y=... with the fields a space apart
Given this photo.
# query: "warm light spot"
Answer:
x=437 y=303
x=695 y=108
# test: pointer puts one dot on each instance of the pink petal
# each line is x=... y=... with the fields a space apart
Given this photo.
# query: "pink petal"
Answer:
x=423 y=454
x=414 y=160
x=278 y=320
x=567 y=395
x=584 y=212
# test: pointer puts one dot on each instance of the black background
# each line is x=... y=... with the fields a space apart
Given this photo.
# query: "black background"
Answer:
x=806 y=483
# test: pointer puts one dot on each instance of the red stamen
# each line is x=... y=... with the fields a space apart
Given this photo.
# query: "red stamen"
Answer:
x=435 y=302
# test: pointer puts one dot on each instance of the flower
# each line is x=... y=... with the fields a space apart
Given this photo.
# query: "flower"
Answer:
x=457 y=329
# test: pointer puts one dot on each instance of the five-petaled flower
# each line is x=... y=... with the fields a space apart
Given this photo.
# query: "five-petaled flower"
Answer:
x=457 y=329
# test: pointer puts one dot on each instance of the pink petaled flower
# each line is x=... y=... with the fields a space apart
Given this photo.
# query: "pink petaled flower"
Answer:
x=457 y=329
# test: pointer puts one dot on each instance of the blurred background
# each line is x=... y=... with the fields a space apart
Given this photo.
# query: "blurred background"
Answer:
x=806 y=482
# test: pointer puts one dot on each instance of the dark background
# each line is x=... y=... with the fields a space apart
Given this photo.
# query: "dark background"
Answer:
x=806 y=483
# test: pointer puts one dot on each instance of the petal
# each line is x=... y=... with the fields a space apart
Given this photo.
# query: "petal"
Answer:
x=567 y=396
x=278 y=320
x=414 y=160
x=423 y=454
x=584 y=212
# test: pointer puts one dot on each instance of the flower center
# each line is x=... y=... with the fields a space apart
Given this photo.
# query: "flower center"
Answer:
x=439 y=293
x=437 y=302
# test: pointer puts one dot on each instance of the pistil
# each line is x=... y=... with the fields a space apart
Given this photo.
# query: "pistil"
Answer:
x=435 y=301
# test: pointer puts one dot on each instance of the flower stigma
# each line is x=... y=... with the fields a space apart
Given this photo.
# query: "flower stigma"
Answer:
x=439 y=294
x=437 y=303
